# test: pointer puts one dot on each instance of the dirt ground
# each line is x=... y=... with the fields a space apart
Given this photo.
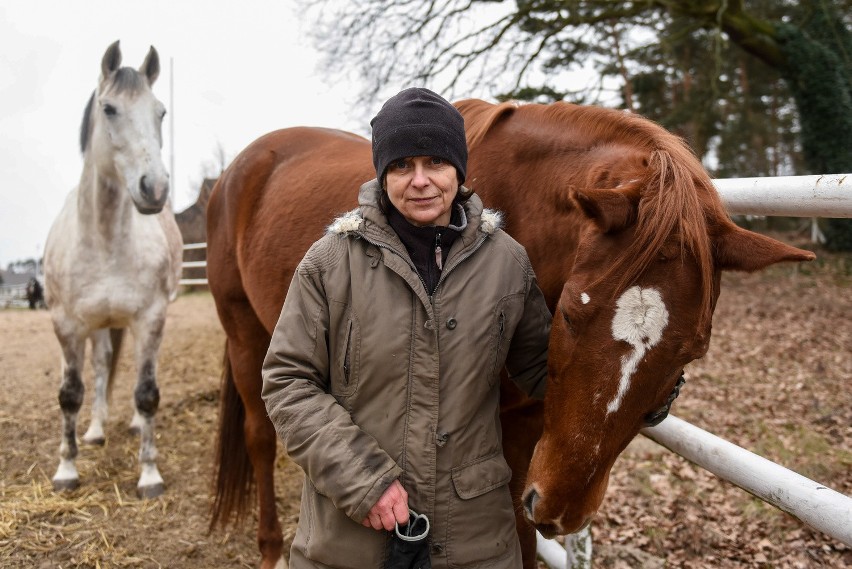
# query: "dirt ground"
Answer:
x=777 y=381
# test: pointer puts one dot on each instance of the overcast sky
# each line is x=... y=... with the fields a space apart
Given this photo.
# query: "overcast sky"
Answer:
x=241 y=69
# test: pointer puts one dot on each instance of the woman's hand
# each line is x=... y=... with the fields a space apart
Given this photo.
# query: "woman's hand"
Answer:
x=391 y=508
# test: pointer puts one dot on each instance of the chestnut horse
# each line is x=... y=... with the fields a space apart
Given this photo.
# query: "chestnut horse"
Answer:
x=628 y=239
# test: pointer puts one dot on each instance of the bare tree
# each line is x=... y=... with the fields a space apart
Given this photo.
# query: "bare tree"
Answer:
x=531 y=47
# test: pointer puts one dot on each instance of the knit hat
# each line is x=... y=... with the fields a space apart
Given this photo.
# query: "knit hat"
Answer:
x=418 y=122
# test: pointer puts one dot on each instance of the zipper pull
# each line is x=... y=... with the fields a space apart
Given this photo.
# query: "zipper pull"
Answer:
x=438 y=258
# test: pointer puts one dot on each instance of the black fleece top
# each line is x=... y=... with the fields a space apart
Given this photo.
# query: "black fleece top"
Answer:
x=428 y=246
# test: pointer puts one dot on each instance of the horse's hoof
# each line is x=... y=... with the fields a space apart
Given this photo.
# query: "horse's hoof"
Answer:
x=150 y=492
x=96 y=441
x=134 y=430
x=66 y=484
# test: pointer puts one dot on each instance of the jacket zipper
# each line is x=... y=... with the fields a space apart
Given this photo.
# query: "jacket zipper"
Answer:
x=438 y=259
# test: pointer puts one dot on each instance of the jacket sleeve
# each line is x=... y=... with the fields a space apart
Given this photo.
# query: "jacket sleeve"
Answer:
x=526 y=361
x=343 y=462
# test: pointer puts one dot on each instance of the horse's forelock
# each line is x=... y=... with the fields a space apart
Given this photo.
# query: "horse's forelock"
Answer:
x=677 y=196
x=126 y=80
x=677 y=199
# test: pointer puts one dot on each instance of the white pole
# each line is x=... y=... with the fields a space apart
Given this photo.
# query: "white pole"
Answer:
x=826 y=195
x=172 y=175
x=814 y=504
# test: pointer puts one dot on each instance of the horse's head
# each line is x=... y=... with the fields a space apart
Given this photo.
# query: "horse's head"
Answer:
x=121 y=132
x=635 y=308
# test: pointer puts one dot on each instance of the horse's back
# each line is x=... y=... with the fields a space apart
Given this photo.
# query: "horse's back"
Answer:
x=272 y=203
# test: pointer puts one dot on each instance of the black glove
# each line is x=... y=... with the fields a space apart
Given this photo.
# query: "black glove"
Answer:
x=409 y=545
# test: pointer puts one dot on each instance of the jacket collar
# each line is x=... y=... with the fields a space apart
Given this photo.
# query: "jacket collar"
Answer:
x=370 y=223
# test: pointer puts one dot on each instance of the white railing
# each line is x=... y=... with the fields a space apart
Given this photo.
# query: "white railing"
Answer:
x=814 y=504
x=13 y=295
x=194 y=264
x=828 y=195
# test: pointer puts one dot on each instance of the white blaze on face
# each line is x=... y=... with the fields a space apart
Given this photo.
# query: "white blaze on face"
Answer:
x=640 y=318
x=585 y=298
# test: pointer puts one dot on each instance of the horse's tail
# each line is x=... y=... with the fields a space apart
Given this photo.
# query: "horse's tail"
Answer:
x=234 y=475
x=116 y=337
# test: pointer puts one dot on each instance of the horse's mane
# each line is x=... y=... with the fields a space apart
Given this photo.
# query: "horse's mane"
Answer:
x=677 y=195
x=125 y=79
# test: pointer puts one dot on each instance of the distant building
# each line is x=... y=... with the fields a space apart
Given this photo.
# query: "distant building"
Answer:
x=193 y=227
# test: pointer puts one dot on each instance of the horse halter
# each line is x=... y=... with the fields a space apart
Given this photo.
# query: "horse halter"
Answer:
x=654 y=418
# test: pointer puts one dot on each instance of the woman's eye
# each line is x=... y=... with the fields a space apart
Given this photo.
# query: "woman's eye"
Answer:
x=399 y=164
x=436 y=160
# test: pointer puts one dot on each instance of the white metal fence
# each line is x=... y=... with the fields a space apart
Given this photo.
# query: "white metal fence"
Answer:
x=13 y=296
x=828 y=196
x=194 y=264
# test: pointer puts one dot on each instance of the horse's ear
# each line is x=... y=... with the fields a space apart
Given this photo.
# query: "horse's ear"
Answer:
x=111 y=60
x=736 y=249
x=151 y=66
x=611 y=210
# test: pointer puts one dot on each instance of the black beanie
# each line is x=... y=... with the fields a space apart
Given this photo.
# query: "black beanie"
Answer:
x=418 y=122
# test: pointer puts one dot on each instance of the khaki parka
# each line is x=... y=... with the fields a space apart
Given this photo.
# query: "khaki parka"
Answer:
x=368 y=379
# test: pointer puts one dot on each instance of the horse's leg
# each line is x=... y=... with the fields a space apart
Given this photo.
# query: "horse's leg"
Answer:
x=522 y=423
x=147 y=333
x=101 y=358
x=247 y=344
x=71 y=393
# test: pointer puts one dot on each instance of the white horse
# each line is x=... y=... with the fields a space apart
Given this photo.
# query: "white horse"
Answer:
x=113 y=259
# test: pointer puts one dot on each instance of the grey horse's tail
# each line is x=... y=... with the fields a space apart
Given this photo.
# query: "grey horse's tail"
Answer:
x=116 y=336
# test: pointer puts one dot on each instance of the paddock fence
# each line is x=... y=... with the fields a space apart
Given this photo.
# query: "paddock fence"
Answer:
x=13 y=296
x=814 y=504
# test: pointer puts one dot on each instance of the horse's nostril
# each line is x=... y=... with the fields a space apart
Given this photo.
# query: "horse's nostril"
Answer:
x=144 y=188
x=530 y=500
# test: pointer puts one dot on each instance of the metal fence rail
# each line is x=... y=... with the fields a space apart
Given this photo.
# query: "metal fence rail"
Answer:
x=814 y=504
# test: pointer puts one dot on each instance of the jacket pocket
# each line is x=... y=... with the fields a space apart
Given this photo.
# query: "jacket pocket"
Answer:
x=326 y=535
x=345 y=377
x=506 y=318
x=481 y=524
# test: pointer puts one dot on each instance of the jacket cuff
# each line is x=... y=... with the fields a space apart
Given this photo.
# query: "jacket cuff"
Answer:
x=373 y=494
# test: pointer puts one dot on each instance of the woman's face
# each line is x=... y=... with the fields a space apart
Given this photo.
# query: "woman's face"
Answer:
x=422 y=188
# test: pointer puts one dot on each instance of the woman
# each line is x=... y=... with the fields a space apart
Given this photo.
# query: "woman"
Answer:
x=383 y=374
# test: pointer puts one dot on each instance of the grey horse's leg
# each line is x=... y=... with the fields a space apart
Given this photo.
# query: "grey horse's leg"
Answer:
x=101 y=358
x=71 y=393
x=146 y=396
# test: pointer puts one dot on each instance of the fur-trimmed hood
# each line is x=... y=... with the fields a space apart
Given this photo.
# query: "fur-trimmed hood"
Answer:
x=490 y=221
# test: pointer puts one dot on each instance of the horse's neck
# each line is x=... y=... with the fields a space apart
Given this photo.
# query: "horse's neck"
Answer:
x=104 y=208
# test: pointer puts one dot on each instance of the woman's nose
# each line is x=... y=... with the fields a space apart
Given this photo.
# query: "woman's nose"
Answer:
x=420 y=178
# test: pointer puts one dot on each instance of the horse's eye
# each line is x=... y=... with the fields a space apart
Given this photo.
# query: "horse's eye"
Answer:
x=566 y=318
x=110 y=111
